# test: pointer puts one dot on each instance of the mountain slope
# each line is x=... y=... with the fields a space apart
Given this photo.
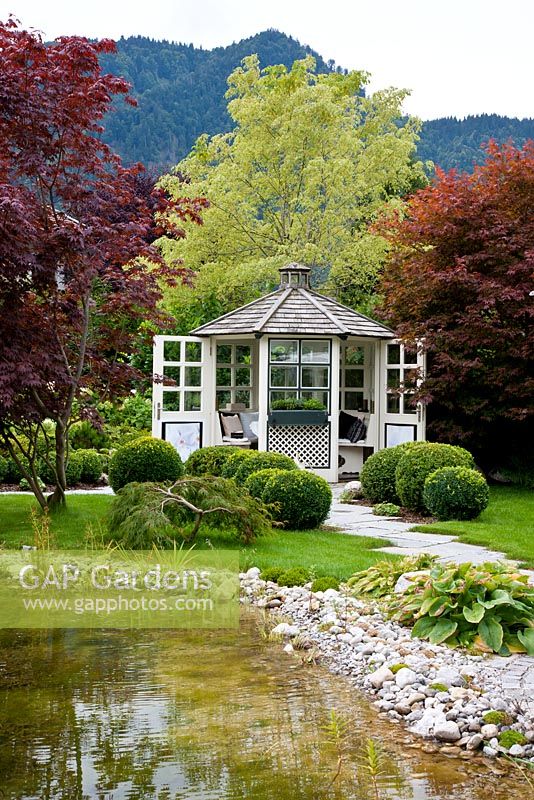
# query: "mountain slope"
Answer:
x=180 y=92
x=454 y=143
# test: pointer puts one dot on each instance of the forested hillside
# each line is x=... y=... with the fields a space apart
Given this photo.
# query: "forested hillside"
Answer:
x=451 y=142
x=180 y=92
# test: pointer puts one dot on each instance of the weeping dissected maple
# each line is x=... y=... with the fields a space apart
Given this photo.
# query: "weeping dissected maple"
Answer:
x=459 y=277
x=78 y=270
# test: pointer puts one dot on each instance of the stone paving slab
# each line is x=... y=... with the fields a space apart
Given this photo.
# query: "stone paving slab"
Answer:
x=354 y=520
x=358 y=520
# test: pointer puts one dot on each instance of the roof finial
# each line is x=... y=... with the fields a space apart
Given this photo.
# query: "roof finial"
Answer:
x=295 y=276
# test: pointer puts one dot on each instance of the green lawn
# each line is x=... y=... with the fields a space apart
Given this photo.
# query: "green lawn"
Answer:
x=68 y=525
x=507 y=525
x=324 y=551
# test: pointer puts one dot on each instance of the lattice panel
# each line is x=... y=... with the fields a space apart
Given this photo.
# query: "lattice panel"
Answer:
x=307 y=444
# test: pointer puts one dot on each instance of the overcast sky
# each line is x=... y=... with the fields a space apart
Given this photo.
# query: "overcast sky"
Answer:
x=457 y=57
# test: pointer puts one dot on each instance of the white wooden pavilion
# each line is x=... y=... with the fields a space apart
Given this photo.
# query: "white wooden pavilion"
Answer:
x=217 y=386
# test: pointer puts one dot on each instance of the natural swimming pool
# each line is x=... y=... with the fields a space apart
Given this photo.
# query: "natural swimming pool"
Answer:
x=170 y=715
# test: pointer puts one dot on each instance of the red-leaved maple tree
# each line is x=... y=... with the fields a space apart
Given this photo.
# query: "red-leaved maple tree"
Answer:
x=78 y=270
x=459 y=278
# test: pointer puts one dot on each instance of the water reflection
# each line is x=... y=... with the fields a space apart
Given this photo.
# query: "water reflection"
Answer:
x=159 y=715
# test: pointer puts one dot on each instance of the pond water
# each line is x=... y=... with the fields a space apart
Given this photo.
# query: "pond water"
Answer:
x=168 y=715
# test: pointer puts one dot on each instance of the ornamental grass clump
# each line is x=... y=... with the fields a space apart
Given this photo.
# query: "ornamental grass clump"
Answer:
x=418 y=462
x=488 y=607
x=455 y=493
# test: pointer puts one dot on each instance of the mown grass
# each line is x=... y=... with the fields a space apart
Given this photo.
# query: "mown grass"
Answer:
x=323 y=551
x=507 y=524
x=69 y=526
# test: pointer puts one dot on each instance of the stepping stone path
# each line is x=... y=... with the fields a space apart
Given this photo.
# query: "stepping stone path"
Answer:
x=357 y=520
x=515 y=674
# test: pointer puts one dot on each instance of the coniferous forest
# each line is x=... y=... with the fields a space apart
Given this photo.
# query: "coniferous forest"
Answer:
x=180 y=93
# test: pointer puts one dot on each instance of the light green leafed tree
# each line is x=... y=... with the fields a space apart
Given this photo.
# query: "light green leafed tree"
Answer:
x=308 y=166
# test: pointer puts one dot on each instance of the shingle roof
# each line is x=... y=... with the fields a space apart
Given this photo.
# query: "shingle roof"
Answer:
x=295 y=310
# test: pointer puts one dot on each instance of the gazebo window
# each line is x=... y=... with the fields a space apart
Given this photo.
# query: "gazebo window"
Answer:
x=182 y=376
x=353 y=378
x=401 y=379
x=300 y=369
x=234 y=374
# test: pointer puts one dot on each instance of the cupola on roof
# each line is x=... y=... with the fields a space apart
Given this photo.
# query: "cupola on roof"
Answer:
x=295 y=309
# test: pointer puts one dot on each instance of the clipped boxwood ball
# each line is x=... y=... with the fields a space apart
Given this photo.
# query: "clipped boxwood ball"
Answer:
x=255 y=484
x=91 y=464
x=455 y=493
x=259 y=460
x=233 y=463
x=209 y=460
x=144 y=460
x=378 y=474
x=73 y=469
x=418 y=462
x=301 y=499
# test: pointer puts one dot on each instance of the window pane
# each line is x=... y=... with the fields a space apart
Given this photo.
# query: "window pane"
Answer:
x=314 y=376
x=242 y=376
x=193 y=376
x=171 y=351
x=410 y=379
x=243 y=354
x=410 y=355
x=224 y=353
x=393 y=353
x=410 y=404
x=284 y=350
x=192 y=401
x=393 y=378
x=193 y=351
x=393 y=404
x=223 y=398
x=354 y=355
x=243 y=396
x=353 y=401
x=171 y=401
x=224 y=376
x=322 y=397
x=283 y=376
x=171 y=376
x=316 y=352
x=281 y=396
x=354 y=378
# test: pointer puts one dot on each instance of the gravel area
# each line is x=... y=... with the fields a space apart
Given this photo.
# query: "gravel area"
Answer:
x=440 y=694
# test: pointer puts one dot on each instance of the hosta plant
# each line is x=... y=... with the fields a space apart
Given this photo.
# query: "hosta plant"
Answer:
x=489 y=607
x=380 y=579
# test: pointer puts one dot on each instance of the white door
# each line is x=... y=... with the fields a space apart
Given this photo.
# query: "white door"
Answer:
x=403 y=419
x=181 y=412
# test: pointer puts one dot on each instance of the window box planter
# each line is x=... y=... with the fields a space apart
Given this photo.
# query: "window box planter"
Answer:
x=298 y=417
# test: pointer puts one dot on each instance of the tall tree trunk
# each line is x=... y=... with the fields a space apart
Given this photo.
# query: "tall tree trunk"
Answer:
x=57 y=498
